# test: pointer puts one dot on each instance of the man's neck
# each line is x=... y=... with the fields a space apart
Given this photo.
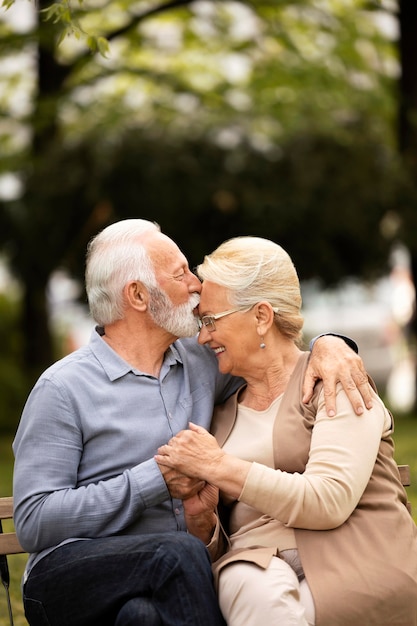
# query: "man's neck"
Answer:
x=143 y=348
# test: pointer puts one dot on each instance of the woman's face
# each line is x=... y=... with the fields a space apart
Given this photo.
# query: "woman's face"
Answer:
x=234 y=338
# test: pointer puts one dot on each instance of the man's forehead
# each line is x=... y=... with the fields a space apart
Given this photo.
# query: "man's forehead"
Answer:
x=163 y=252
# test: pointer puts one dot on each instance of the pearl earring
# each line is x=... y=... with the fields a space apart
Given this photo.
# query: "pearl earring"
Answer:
x=262 y=345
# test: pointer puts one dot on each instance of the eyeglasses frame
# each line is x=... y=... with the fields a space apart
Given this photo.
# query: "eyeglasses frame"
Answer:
x=211 y=319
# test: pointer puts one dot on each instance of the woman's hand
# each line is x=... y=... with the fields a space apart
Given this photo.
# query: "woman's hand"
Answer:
x=196 y=453
x=193 y=452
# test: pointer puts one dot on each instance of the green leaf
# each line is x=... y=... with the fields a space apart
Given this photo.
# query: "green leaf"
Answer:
x=103 y=46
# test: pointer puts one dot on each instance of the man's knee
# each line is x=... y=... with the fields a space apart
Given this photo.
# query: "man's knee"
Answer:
x=185 y=549
x=181 y=556
x=138 y=611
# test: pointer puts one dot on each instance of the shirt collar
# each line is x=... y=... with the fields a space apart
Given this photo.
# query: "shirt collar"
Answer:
x=113 y=364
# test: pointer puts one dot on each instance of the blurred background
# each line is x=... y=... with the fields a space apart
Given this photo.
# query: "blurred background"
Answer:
x=292 y=120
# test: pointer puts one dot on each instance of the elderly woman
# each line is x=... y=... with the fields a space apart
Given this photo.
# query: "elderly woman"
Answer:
x=318 y=529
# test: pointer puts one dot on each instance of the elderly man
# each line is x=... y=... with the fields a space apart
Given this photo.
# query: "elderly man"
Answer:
x=103 y=523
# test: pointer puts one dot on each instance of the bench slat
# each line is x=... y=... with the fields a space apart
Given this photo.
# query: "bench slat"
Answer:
x=9 y=544
x=405 y=475
x=6 y=507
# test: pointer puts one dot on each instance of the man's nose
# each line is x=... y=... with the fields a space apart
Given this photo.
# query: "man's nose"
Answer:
x=194 y=284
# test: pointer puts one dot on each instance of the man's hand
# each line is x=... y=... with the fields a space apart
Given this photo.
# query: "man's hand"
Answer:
x=179 y=485
x=332 y=361
x=204 y=501
x=200 y=515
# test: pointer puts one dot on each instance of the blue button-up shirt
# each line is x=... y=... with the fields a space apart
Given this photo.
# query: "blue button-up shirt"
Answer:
x=84 y=448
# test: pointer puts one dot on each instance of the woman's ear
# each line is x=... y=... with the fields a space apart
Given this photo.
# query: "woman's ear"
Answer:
x=264 y=317
x=137 y=295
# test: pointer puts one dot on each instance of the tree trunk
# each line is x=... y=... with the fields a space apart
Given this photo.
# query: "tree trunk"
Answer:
x=408 y=83
x=407 y=128
x=38 y=352
x=34 y=272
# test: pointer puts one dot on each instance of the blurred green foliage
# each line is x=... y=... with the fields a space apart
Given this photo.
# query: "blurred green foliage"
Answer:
x=265 y=117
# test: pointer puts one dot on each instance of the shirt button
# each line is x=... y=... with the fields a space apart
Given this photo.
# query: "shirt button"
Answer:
x=177 y=511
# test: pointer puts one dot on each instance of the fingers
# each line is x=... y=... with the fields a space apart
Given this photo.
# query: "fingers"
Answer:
x=308 y=386
x=164 y=459
x=180 y=485
x=333 y=361
x=196 y=428
x=192 y=489
x=356 y=386
x=329 y=391
x=163 y=456
x=182 y=491
x=182 y=438
x=359 y=394
x=364 y=388
x=358 y=389
x=366 y=394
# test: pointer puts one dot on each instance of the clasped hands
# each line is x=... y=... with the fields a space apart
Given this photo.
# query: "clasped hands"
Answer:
x=183 y=461
x=192 y=452
x=186 y=461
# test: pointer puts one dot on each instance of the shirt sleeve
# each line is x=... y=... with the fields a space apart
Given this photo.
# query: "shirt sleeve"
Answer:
x=350 y=342
x=342 y=456
x=50 y=505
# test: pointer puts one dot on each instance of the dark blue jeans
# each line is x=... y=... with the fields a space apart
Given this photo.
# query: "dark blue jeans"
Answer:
x=147 y=580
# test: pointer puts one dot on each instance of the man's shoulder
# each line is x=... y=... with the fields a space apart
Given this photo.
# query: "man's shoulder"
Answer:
x=68 y=363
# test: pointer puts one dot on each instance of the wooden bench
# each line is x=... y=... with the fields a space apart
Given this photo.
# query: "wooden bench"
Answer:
x=9 y=543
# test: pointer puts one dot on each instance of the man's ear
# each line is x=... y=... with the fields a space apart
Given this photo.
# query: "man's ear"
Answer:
x=137 y=295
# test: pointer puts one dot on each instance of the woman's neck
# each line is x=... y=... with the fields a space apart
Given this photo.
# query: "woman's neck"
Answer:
x=269 y=383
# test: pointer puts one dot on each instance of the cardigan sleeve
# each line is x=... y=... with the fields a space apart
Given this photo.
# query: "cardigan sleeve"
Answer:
x=341 y=459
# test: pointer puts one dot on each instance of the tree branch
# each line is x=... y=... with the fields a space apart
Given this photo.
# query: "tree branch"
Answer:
x=85 y=57
x=166 y=6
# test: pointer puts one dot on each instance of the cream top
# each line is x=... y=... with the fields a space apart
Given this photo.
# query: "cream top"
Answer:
x=251 y=440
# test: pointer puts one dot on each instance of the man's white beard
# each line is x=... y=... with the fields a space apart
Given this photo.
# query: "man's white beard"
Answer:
x=180 y=320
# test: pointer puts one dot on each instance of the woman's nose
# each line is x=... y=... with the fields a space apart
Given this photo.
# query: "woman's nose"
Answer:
x=204 y=335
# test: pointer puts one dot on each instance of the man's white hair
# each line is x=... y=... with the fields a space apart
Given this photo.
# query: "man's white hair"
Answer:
x=114 y=257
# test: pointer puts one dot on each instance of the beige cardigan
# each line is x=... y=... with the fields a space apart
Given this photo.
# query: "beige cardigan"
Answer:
x=365 y=570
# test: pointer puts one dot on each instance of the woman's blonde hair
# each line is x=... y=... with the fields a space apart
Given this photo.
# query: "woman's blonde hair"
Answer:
x=253 y=269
